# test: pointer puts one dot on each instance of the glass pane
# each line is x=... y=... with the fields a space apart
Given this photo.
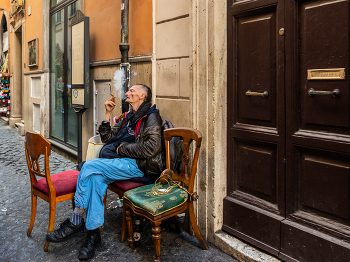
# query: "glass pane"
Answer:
x=72 y=116
x=57 y=75
x=55 y=2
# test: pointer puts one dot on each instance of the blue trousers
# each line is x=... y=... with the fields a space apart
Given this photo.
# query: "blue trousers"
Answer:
x=92 y=184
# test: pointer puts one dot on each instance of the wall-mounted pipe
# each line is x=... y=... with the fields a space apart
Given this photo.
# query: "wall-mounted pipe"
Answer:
x=124 y=50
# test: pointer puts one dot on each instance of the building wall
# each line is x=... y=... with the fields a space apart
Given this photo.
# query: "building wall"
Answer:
x=190 y=74
x=105 y=28
x=6 y=5
x=34 y=29
x=104 y=46
x=209 y=82
x=34 y=107
x=172 y=51
x=17 y=36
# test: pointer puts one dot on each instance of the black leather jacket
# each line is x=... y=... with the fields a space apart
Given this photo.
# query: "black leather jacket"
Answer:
x=147 y=149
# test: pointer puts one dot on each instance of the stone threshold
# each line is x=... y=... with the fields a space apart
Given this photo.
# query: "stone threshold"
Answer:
x=240 y=250
x=5 y=119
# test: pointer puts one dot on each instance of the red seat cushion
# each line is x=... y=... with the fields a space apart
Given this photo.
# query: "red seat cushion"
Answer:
x=126 y=185
x=64 y=183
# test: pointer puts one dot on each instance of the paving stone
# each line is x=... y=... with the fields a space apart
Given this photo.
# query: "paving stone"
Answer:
x=14 y=222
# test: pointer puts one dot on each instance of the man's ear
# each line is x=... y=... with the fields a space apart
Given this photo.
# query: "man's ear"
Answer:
x=142 y=96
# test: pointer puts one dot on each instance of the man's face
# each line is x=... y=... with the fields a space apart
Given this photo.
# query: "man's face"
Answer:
x=134 y=95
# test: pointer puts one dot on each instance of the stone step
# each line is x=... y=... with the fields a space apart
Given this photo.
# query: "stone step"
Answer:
x=5 y=119
x=20 y=127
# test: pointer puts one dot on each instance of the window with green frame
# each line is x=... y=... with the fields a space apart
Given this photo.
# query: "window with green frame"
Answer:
x=63 y=119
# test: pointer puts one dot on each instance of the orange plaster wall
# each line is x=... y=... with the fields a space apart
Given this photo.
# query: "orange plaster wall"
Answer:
x=105 y=28
x=140 y=27
x=34 y=29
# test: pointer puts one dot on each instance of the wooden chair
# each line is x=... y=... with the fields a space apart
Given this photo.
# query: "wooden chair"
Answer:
x=141 y=200
x=120 y=187
x=51 y=188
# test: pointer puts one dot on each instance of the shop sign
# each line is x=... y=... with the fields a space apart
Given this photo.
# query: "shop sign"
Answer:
x=80 y=62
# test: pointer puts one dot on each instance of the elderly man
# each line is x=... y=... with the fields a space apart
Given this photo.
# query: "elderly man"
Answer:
x=132 y=151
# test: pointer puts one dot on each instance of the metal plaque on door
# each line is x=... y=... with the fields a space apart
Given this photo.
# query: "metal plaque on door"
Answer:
x=326 y=74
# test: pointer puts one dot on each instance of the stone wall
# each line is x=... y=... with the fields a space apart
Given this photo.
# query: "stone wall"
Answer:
x=208 y=29
x=171 y=64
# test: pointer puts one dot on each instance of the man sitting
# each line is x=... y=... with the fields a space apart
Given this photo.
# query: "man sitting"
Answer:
x=132 y=151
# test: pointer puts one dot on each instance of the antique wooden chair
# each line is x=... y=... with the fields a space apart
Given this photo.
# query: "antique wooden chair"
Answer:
x=120 y=187
x=51 y=188
x=141 y=200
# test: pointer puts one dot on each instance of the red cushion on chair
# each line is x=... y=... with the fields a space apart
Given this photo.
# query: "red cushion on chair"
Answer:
x=125 y=185
x=64 y=183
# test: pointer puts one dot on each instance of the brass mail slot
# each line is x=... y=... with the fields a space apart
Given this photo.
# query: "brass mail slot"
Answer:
x=326 y=74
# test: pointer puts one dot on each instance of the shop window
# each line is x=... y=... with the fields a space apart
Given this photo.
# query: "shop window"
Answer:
x=73 y=9
x=58 y=18
x=63 y=119
x=55 y=2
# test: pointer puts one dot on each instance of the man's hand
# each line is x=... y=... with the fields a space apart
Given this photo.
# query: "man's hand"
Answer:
x=117 y=150
x=110 y=104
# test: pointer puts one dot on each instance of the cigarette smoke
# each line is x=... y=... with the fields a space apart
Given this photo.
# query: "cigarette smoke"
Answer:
x=118 y=83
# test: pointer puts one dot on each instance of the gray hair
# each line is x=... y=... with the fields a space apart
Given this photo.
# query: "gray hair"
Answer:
x=148 y=92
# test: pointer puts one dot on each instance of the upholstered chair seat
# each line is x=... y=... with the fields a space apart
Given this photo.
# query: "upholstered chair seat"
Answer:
x=126 y=185
x=64 y=183
x=51 y=188
x=159 y=205
x=143 y=198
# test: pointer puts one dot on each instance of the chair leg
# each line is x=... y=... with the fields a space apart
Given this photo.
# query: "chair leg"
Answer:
x=105 y=202
x=177 y=225
x=156 y=238
x=195 y=226
x=51 y=222
x=32 y=217
x=73 y=203
x=122 y=236
x=129 y=221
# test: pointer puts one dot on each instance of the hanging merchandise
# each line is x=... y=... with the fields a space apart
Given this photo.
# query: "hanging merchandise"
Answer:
x=5 y=89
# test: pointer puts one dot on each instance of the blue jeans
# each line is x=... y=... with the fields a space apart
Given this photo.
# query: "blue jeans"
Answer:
x=92 y=184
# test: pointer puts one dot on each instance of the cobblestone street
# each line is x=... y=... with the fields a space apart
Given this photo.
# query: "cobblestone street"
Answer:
x=15 y=209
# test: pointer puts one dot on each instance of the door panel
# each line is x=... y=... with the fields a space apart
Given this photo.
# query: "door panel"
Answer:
x=255 y=203
x=317 y=133
x=318 y=190
x=256 y=170
x=330 y=177
x=319 y=175
x=324 y=44
x=299 y=243
x=288 y=184
x=255 y=225
x=257 y=68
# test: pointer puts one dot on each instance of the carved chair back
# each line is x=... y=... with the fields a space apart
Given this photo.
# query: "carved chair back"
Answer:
x=188 y=135
x=35 y=146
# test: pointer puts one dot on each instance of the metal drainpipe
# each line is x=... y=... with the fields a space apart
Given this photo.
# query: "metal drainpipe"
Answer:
x=124 y=49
